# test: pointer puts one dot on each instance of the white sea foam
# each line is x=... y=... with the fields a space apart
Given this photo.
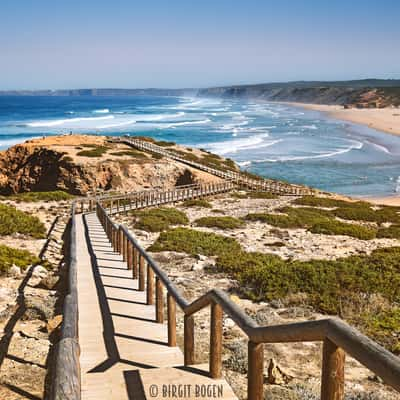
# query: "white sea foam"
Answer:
x=355 y=146
x=60 y=122
x=182 y=123
x=397 y=189
x=379 y=147
x=102 y=111
x=116 y=125
x=312 y=127
x=247 y=143
x=244 y=163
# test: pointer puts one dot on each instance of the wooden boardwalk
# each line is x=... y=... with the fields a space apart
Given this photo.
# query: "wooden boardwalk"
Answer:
x=124 y=351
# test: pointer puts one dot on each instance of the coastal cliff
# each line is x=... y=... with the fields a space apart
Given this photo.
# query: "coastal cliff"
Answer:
x=362 y=94
x=81 y=164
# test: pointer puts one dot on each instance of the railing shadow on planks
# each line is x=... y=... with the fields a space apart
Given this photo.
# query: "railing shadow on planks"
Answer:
x=337 y=336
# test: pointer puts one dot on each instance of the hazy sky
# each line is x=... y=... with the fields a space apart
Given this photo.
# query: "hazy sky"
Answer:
x=194 y=43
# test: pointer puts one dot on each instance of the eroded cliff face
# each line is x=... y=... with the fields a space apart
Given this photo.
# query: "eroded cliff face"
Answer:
x=42 y=165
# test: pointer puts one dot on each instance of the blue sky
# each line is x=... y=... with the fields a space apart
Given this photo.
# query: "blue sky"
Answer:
x=173 y=43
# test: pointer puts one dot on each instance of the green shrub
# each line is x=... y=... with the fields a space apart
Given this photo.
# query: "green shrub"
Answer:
x=333 y=227
x=315 y=220
x=392 y=232
x=164 y=143
x=254 y=195
x=130 y=153
x=327 y=202
x=367 y=214
x=15 y=221
x=219 y=222
x=327 y=282
x=194 y=242
x=279 y=220
x=10 y=256
x=97 y=151
x=383 y=326
x=197 y=203
x=57 y=195
x=159 y=219
x=156 y=156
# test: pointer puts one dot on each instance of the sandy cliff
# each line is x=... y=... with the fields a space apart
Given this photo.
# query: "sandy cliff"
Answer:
x=80 y=164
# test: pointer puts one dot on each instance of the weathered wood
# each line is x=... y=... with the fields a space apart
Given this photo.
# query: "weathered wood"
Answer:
x=370 y=354
x=150 y=285
x=141 y=273
x=255 y=373
x=171 y=305
x=159 y=301
x=67 y=377
x=134 y=262
x=216 y=341
x=188 y=340
x=130 y=255
x=332 y=379
x=124 y=246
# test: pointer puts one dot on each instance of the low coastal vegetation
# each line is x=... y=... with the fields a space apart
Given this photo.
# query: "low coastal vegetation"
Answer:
x=15 y=221
x=93 y=151
x=28 y=197
x=323 y=221
x=194 y=242
x=159 y=219
x=345 y=287
x=197 y=203
x=10 y=256
x=254 y=195
x=130 y=153
x=220 y=222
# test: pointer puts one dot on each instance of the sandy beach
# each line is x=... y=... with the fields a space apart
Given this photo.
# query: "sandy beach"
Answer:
x=381 y=119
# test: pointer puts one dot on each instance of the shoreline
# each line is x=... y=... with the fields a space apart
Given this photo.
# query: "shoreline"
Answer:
x=385 y=120
x=381 y=119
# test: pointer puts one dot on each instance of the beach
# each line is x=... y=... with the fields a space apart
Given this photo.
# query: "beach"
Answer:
x=381 y=119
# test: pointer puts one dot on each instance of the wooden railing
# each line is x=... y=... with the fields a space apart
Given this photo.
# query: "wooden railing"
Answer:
x=152 y=197
x=337 y=336
x=241 y=179
x=67 y=378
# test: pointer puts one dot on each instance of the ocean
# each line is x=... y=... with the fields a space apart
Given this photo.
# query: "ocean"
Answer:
x=273 y=140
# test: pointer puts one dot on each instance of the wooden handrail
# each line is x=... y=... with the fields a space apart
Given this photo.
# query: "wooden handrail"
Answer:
x=238 y=177
x=67 y=377
x=336 y=335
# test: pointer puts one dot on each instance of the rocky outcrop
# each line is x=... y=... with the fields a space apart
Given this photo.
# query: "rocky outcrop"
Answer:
x=41 y=165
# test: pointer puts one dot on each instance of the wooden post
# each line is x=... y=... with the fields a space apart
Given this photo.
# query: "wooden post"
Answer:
x=134 y=263
x=159 y=301
x=121 y=241
x=141 y=273
x=150 y=285
x=216 y=341
x=189 y=340
x=255 y=374
x=171 y=321
x=124 y=246
x=130 y=255
x=332 y=380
